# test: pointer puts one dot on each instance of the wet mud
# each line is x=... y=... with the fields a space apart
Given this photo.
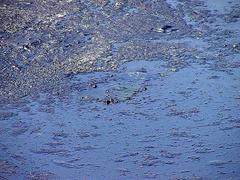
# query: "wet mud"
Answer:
x=119 y=89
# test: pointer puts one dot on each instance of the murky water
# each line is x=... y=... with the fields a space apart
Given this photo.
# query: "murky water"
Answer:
x=119 y=90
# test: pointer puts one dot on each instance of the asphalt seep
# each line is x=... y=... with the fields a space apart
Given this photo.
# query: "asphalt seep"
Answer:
x=119 y=89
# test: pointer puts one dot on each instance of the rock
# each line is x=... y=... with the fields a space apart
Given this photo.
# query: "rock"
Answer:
x=165 y=29
x=93 y=85
x=109 y=101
